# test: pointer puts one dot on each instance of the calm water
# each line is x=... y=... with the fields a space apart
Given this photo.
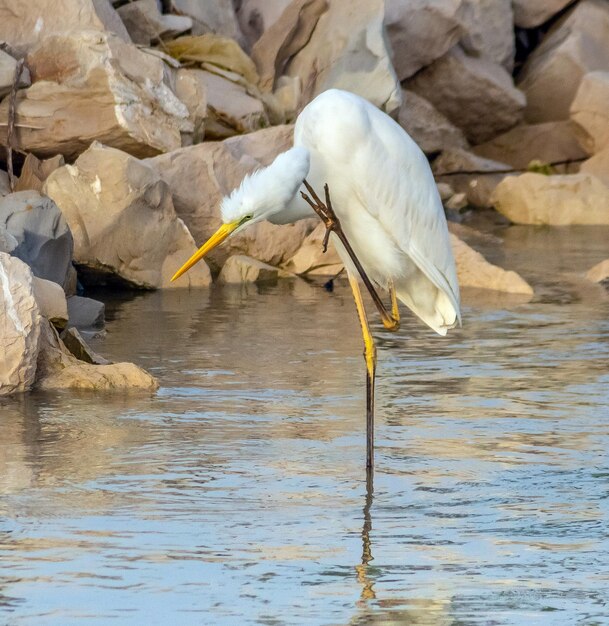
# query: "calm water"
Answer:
x=237 y=495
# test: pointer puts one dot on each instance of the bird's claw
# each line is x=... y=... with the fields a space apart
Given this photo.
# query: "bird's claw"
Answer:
x=324 y=210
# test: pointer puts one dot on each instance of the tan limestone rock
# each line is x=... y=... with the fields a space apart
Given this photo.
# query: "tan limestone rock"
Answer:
x=590 y=112
x=94 y=86
x=479 y=178
x=200 y=176
x=599 y=273
x=576 y=45
x=24 y=25
x=244 y=269
x=230 y=109
x=20 y=324
x=287 y=36
x=311 y=259
x=51 y=300
x=34 y=172
x=598 y=166
x=561 y=200
x=215 y=50
x=421 y=31
x=348 y=50
x=473 y=270
x=427 y=126
x=123 y=220
x=548 y=142
x=531 y=13
x=257 y=16
x=59 y=369
x=476 y=95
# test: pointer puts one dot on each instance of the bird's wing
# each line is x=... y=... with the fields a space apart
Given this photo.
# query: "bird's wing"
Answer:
x=390 y=175
x=396 y=185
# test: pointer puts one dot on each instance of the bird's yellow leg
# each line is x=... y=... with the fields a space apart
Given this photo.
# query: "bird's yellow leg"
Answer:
x=370 y=357
x=392 y=322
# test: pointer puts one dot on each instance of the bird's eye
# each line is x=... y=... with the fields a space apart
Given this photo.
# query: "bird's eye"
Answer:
x=246 y=218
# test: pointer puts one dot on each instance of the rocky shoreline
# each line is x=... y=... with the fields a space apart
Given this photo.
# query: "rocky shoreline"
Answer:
x=122 y=125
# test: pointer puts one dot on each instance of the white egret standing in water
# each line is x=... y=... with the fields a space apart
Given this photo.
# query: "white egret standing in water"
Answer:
x=381 y=208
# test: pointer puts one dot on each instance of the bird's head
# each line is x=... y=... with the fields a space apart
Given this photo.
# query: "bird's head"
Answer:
x=260 y=195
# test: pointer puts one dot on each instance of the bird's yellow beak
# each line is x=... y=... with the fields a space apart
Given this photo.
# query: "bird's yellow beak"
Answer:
x=216 y=239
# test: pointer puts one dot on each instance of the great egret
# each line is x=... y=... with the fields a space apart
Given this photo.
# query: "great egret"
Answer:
x=388 y=223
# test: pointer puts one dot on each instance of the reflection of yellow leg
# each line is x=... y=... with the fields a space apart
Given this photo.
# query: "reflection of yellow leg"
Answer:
x=370 y=356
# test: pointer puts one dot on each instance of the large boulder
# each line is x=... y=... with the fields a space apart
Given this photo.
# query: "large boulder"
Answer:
x=421 y=31
x=287 y=36
x=476 y=95
x=554 y=70
x=24 y=24
x=473 y=270
x=489 y=31
x=548 y=142
x=200 y=176
x=94 y=86
x=44 y=240
x=590 y=112
x=561 y=200
x=470 y=174
x=219 y=107
x=532 y=13
x=58 y=368
x=427 y=126
x=348 y=50
x=123 y=221
x=20 y=326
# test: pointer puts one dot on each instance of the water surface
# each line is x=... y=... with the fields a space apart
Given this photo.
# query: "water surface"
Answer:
x=237 y=493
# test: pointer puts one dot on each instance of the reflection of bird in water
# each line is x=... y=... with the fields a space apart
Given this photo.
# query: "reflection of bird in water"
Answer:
x=389 y=225
x=362 y=569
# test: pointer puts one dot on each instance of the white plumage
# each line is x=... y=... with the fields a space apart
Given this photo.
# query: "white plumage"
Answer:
x=382 y=190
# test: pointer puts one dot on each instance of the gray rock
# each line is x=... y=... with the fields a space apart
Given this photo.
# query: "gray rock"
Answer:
x=44 y=240
x=85 y=313
x=427 y=126
x=7 y=242
x=421 y=31
x=475 y=94
x=77 y=346
x=51 y=300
